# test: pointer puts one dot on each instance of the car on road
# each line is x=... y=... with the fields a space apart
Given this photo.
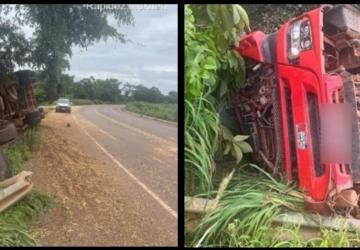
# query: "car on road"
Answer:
x=63 y=105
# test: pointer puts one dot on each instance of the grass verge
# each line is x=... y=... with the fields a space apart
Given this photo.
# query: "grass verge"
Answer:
x=20 y=151
x=165 y=111
x=15 y=221
x=245 y=211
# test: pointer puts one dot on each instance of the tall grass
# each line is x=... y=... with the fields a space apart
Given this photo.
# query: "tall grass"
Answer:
x=14 y=222
x=201 y=118
x=211 y=69
x=244 y=214
x=20 y=152
x=201 y=137
x=252 y=198
x=166 y=111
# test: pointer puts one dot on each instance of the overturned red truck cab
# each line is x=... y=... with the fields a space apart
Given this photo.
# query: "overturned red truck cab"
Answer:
x=312 y=59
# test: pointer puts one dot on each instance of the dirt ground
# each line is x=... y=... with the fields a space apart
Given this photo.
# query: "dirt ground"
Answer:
x=97 y=204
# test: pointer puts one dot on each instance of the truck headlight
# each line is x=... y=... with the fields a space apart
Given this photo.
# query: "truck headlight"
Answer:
x=299 y=39
x=294 y=40
x=305 y=35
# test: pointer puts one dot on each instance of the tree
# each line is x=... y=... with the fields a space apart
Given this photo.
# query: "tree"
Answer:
x=210 y=33
x=58 y=27
x=107 y=90
x=67 y=85
x=127 y=89
x=173 y=96
x=142 y=93
x=85 y=88
x=14 y=48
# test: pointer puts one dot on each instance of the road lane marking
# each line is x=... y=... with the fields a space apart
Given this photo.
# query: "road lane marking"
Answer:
x=102 y=131
x=154 y=137
x=160 y=201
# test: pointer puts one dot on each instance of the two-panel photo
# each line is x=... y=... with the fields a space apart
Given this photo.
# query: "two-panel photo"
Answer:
x=272 y=108
x=180 y=125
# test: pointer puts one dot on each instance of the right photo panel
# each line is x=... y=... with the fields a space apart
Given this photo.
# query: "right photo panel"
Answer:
x=272 y=107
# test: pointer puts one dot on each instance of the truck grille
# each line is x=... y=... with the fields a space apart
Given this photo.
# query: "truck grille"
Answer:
x=314 y=116
x=292 y=141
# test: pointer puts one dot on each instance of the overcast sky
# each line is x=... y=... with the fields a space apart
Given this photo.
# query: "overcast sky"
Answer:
x=152 y=65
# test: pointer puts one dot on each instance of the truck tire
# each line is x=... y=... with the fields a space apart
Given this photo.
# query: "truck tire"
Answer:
x=8 y=133
x=5 y=169
x=33 y=118
x=41 y=110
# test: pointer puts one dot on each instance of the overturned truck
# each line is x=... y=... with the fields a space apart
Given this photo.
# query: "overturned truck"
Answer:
x=312 y=59
x=18 y=110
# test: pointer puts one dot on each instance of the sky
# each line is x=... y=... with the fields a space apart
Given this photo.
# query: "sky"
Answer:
x=154 y=64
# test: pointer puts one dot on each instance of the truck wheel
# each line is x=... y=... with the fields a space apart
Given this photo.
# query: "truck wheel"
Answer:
x=41 y=110
x=33 y=118
x=8 y=133
x=5 y=169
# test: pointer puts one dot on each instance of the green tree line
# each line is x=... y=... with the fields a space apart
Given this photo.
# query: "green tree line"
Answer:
x=103 y=91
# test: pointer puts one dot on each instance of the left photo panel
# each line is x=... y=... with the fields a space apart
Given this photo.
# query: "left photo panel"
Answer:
x=89 y=125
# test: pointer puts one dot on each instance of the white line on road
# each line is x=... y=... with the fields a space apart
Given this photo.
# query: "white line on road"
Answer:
x=151 y=136
x=161 y=202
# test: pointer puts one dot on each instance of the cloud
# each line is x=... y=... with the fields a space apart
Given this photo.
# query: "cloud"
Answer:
x=153 y=64
x=160 y=68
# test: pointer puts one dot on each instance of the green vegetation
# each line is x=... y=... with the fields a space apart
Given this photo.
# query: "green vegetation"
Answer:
x=98 y=91
x=245 y=210
x=210 y=69
x=20 y=152
x=252 y=197
x=15 y=221
x=57 y=29
x=166 y=111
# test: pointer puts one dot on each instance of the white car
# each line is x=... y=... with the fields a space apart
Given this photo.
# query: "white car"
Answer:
x=63 y=105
